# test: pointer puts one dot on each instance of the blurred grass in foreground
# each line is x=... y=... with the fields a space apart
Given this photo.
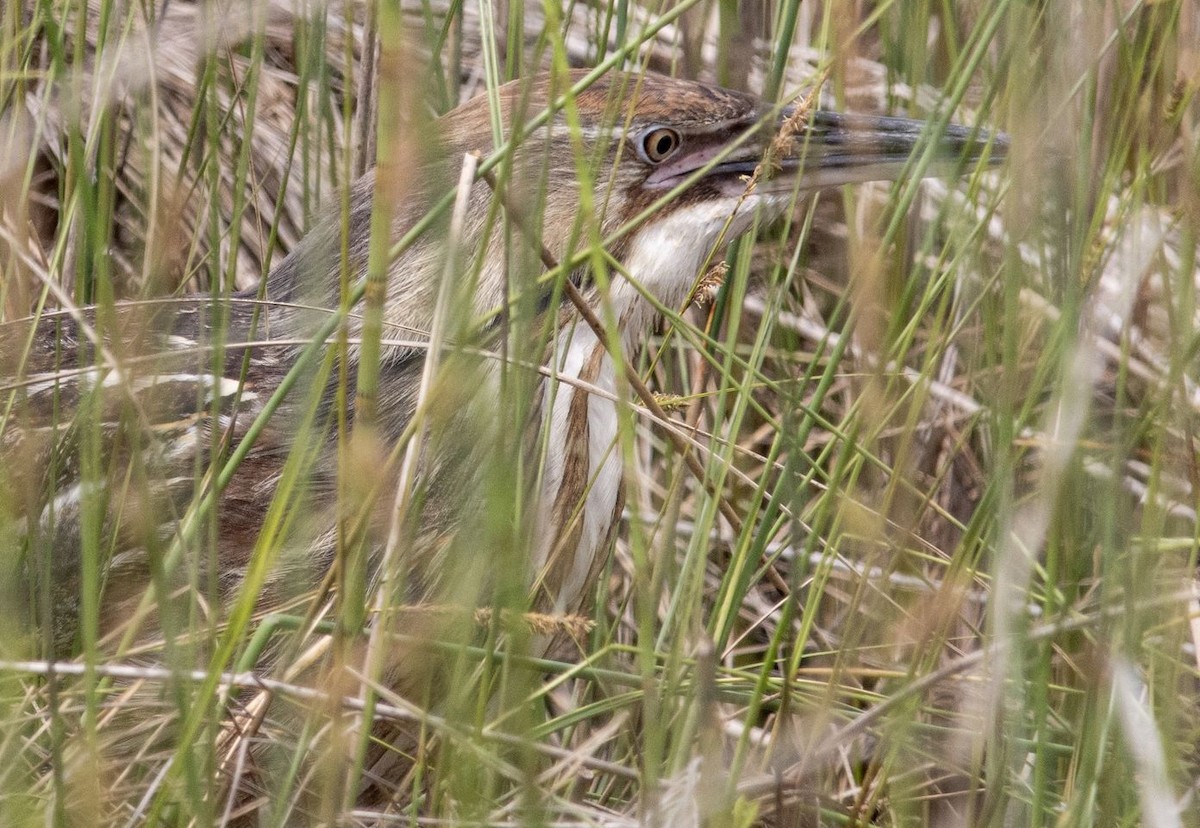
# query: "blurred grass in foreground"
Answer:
x=957 y=419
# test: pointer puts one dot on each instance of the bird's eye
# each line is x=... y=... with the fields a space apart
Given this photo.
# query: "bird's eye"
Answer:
x=659 y=144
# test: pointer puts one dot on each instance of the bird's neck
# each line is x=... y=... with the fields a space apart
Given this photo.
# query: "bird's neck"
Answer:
x=665 y=259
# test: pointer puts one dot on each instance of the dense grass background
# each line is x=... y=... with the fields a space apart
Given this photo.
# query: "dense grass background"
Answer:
x=956 y=420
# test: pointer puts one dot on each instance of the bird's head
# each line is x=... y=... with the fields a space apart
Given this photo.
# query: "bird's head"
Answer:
x=668 y=164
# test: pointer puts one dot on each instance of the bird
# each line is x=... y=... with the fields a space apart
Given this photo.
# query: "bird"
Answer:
x=122 y=419
x=171 y=464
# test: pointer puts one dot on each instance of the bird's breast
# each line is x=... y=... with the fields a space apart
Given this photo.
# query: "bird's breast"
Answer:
x=581 y=490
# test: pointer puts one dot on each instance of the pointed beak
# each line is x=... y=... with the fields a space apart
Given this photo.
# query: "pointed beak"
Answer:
x=834 y=149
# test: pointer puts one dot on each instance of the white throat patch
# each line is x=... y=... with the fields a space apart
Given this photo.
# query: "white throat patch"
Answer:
x=666 y=255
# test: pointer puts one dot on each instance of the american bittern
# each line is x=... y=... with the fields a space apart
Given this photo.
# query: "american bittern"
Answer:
x=113 y=434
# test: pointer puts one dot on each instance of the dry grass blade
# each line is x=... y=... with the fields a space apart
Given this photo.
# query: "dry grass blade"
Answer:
x=910 y=473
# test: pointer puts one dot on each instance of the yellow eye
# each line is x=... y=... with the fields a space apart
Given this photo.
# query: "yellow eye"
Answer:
x=659 y=144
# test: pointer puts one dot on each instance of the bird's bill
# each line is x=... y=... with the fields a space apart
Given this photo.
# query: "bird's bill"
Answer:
x=834 y=149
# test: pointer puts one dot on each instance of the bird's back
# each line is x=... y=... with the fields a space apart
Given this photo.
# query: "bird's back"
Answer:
x=115 y=422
